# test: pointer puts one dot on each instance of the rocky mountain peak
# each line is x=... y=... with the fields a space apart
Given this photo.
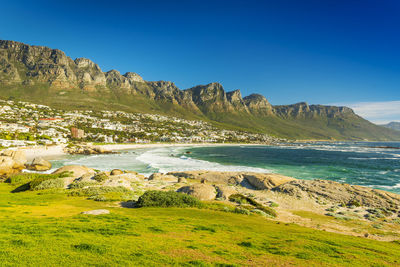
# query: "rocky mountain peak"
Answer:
x=258 y=104
x=133 y=77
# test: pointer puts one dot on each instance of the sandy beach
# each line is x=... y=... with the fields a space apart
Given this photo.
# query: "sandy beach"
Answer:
x=51 y=152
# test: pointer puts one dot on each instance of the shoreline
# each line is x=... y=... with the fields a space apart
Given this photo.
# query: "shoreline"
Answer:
x=52 y=152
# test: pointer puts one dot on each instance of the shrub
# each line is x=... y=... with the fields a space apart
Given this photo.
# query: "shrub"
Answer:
x=241 y=211
x=23 y=178
x=78 y=185
x=100 y=177
x=49 y=184
x=239 y=198
x=104 y=193
x=155 y=198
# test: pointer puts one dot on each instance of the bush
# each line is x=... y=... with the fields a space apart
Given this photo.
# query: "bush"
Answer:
x=155 y=198
x=31 y=181
x=239 y=198
x=100 y=177
x=49 y=184
x=104 y=193
x=23 y=178
x=79 y=185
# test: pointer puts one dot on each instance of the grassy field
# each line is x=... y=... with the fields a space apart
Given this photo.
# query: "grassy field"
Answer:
x=45 y=228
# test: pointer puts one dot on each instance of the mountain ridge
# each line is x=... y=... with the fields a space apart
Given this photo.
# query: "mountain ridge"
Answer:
x=26 y=71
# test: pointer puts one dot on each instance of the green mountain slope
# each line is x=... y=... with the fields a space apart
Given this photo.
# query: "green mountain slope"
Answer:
x=47 y=76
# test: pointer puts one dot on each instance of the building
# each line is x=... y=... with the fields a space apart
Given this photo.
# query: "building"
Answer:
x=77 y=133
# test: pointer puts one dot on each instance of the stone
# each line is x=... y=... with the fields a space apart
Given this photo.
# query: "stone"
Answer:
x=96 y=212
x=224 y=192
x=17 y=155
x=39 y=164
x=163 y=177
x=263 y=181
x=200 y=191
x=9 y=166
x=116 y=172
x=76 y=170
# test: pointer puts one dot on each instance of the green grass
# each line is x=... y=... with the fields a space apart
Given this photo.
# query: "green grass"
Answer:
x=45 y=228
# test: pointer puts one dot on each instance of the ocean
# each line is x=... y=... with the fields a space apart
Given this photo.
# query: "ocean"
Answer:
x=369 y=164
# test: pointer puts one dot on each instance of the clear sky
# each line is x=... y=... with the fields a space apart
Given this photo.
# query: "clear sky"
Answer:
x=330 y=51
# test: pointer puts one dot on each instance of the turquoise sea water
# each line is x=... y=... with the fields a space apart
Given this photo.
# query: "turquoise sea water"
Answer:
x=359 y=163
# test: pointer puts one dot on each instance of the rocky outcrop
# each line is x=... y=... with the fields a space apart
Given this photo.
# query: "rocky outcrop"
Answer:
x=75 y=171
x=340 y=193
x=17 y=155
x=11 y=162
x=116 y=172
x=163 y=177
x=86 y=150
x=259 y=181
x=258 y=104
x=262 y=181
x=200 y=191
x=8 y=166
x=39 y=164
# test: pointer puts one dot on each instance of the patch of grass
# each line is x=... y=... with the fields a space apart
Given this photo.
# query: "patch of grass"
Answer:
x=27 y=181
x=154 y=198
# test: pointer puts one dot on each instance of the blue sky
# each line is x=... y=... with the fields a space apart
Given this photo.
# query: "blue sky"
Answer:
x=290 y=51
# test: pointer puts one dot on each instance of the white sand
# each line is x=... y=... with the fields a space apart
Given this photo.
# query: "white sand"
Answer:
x=51 y=152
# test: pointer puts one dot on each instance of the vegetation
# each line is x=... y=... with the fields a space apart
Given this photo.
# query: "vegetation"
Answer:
x=103 y=193
x=45 y=228
x=241 y=199
x=154 y=198
x=36 y=181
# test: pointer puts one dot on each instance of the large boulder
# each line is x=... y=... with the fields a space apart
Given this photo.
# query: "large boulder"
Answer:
x=224 y=191
x=75 y=170
x=116 y=172
x=9 y=166
x=200 y=191
x=211 y=176
x=17 y=155
x=39 y=164
x=263 y=181
x=163 y=177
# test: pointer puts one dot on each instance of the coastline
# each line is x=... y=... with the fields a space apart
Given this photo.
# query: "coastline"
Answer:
x=51 y=152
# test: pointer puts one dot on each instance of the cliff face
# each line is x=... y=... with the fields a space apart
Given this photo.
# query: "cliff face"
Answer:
x=27 y=67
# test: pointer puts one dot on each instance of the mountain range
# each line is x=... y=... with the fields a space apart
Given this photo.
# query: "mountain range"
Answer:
x=47 y=76
x=395 y=125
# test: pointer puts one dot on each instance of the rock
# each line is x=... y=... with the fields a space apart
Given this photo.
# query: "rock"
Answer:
x=211 y=176
x=9 y=166
x=17 y=155
x=258 y=180
x=335 y=192
x=224 y=192
x=200 y=191
x=76 y=170
x=182 y=180
x=263 y=181
x=39 y=164
x=96 y=212
x=87 y=150
x=163 y=177
x=116 y=172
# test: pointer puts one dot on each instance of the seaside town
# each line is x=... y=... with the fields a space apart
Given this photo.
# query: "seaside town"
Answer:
x=28 y=124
